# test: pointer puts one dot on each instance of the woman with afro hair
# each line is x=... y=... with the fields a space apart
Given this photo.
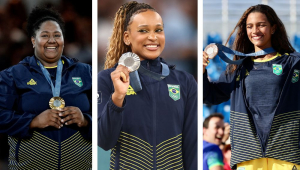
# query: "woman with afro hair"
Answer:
x=45 y=102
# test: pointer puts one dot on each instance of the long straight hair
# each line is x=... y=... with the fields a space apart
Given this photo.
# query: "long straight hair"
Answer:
x=279 y=39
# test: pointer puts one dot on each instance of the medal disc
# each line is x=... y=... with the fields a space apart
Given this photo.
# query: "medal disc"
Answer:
x=130 y=60
x=56 y=103
x=211 y=50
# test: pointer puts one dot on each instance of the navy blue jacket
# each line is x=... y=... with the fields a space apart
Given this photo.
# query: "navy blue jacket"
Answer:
x=151 y=130
x=24 y=94
x=283 y=134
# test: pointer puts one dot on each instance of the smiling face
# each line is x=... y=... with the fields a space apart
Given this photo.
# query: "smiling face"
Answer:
x=215 y=131
x=48 y=43
x=145 y=35
x=259 y=30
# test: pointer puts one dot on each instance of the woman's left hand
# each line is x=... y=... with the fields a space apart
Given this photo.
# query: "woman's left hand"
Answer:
x=73 y=115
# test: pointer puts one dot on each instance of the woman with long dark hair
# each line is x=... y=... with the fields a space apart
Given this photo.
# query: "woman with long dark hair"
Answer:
x=264 y=94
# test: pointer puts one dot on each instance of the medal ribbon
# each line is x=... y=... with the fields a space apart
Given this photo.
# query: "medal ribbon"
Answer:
x=135 y=79
x=56 y=89
x=165 y=72
x=243 y=56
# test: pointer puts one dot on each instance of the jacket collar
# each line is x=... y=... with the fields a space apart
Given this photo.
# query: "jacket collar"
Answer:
x=31 y=61
x=153 y=65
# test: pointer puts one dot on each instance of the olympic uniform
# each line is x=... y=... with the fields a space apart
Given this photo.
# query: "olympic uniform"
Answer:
x=265 y=110
x=156 y=128
x=24 y=94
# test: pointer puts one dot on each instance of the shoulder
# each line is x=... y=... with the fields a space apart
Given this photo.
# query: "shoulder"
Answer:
x=83 y=66
x=18 y=69
x=207 y=147
x=106 y=72
x=104 y=75
x=74 y=61
x=295 y=54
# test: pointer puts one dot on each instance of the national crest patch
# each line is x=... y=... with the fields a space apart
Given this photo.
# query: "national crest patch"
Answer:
x=174 y=91
x=130 y=91
x=77 y=81
x=32 y=82
x=295 y=77
x=277 y=69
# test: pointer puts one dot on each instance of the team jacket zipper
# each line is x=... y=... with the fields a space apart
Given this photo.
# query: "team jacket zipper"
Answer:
x=153 y=90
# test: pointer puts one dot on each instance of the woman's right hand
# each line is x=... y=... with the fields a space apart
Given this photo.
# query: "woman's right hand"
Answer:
x=205 y=61
x=49 y=117
x=120 y=85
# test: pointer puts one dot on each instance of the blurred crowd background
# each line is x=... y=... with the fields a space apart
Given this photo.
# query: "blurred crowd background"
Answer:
x=16 y=45
x=219 y=19
x=180 y=27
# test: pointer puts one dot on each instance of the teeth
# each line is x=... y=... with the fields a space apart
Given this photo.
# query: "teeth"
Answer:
x=151 y=46
x=51 y=47
x=256 y=38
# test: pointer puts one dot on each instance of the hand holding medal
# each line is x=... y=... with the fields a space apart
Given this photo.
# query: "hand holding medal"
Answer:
x=128 y=62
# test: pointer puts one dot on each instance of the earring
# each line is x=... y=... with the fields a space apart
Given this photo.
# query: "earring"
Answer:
x=127 y=43
x=33 y=46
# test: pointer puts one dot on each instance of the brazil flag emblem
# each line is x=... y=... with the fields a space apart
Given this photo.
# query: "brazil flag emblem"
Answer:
x=77 y=81
x=174 y=91
x=295 y=77
x=277 y=69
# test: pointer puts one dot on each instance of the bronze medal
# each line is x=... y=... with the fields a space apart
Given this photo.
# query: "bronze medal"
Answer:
x=211 y=50
x=57 y=103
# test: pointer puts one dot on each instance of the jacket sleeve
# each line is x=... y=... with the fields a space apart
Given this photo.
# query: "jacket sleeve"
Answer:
x=109 y=115
x=190 y=127
x=86 y=132
x=217 y=92
x=12 y=122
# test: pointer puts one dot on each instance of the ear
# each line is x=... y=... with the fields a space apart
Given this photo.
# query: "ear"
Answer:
x=126 y=38
x=33 y=41
x=273 y=29
x=204 y=130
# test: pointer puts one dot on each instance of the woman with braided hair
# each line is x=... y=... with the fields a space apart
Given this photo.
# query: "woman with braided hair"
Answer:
x=151 y=128
x=45 y=102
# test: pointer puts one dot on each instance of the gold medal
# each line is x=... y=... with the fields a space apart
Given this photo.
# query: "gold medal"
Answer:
x=56 y=103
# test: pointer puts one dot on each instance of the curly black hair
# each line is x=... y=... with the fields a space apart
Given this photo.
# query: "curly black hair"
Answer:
x=39 y=15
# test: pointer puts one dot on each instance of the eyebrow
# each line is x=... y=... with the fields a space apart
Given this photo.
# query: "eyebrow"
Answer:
x=48 y=32
x=258 y=22
x=148 y=25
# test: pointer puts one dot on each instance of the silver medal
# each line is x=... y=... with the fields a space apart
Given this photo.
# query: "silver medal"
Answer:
x=130 y=60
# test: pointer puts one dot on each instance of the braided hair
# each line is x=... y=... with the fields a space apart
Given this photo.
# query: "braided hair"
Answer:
x=123 y=18
x=39 y=15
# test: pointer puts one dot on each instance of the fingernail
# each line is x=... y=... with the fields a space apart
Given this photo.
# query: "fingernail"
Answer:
x=59 y=114
x=62 y=120
x=61 y=125
x=66 y=123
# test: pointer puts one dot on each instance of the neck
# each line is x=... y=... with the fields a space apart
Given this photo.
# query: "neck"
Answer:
x=47 y=64
x=265 y=57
